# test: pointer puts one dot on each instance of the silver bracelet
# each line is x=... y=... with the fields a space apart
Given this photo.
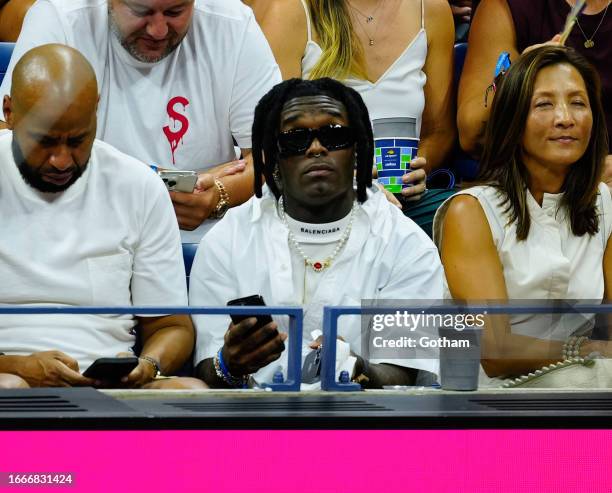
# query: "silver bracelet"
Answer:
x=224 y=374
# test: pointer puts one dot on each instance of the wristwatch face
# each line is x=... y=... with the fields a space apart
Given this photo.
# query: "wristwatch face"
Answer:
x=221 y=209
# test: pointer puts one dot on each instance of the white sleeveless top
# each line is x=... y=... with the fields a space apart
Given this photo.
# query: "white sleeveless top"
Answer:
x=399 y=91
x=552 y=263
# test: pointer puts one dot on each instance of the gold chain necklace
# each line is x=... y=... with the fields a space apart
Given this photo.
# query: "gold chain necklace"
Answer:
x=588 y=42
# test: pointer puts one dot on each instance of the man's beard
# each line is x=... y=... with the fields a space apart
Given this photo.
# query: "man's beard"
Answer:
x=130 y=45
x=33 y=177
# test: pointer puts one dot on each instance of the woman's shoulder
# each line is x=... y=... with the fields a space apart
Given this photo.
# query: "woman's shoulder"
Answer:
x=437 y=12
x=282 y=13
x=489 y=193
x=473 y=200
x=285 y=26
x=469 y=210
x=436 y=7
x=438 y=21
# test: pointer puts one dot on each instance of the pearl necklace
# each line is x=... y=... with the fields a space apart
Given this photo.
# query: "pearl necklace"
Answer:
x=317 y=265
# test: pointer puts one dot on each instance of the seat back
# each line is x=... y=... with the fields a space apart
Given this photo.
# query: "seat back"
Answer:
x=6 y=50
x=189 y=251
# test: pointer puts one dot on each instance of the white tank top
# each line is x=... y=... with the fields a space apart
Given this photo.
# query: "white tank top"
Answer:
x=399 y=91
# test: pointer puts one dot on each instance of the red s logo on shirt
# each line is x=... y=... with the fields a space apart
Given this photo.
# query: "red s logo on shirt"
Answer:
x=175 y=136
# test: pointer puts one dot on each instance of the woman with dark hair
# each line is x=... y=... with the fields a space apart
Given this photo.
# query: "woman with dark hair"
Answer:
x=538 y=225
x=398 y=54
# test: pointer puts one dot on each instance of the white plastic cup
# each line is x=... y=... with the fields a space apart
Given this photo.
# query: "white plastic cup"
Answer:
x=460 y=366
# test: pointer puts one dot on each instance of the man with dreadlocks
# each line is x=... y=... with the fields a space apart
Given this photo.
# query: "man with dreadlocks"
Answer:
x=309 y=238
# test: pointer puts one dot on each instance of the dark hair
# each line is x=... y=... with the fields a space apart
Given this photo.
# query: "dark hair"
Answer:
x=266 y=127
x=501 y=164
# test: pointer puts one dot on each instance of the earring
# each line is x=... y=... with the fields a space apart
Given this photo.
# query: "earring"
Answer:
x=277 y=177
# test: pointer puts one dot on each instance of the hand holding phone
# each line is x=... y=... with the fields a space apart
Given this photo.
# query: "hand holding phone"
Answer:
x=255 y=300
x=250 y=346
x=179 y=181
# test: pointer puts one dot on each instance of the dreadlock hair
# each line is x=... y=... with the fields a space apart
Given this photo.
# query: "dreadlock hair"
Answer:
x=266 y=127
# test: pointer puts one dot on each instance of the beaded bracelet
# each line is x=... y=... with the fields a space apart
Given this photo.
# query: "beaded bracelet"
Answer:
x=571 y=356
x=224 y=374
x=571 y=347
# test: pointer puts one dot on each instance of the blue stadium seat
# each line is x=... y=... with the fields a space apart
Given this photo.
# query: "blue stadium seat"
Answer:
x=6 y=50
x=189 y=251
x=464 y=166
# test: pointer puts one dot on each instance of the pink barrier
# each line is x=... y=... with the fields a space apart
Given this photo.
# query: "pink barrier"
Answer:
x=525 y=461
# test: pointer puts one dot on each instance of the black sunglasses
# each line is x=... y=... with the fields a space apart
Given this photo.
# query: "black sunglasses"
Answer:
x=296 y=142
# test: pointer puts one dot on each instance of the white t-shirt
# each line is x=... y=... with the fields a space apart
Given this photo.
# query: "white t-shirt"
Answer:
x=387 y=256
x=182 y=111
x=200 y=95
x=110 y=239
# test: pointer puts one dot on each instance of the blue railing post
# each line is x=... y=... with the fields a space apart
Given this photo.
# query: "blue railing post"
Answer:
x=328 y=354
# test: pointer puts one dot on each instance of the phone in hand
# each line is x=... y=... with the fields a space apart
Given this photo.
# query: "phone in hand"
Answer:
x=255 y=300
x=179 y=181
x=111 y=369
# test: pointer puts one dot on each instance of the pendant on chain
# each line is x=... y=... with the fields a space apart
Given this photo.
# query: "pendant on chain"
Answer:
x=372 y=42
x=318 y=266
x=589 y=43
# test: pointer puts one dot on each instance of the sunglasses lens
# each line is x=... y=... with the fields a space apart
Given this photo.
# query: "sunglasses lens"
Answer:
x=297 y=141
x=336 y=137
x=294 y=142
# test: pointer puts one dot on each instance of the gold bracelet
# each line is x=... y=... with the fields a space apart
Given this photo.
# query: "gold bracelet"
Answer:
x=224 y=201
x=155 y=363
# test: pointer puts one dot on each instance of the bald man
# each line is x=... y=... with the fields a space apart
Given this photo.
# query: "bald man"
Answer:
x=179 y=81
x=83 y=224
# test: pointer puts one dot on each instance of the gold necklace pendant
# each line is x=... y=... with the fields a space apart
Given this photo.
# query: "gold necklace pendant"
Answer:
x=588 y=42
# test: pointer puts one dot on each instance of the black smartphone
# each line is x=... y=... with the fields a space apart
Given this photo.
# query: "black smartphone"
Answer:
x=111 y=369
x=255 y=300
